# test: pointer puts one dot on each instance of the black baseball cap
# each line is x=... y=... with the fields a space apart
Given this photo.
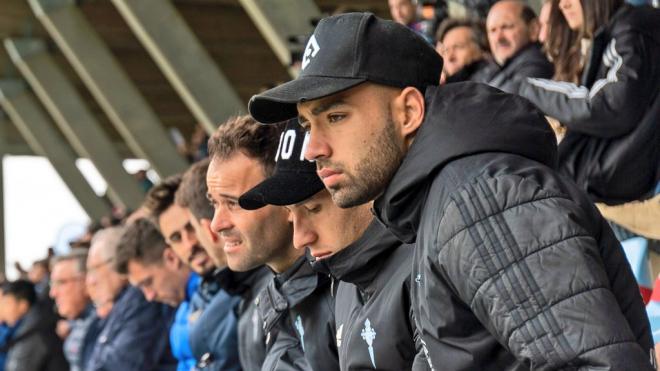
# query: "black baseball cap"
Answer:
x=294 y=179
x=345 y=51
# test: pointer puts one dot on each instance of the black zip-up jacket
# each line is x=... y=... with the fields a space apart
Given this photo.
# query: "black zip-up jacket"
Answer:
x=514 y=268
x=527 y=62
x=297 y=308
x=612 y=145
x=251 y=337
x=375 y=327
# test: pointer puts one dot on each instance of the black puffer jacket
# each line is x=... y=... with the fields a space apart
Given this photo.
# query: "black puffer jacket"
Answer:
x=514 y=268
x=298 y=304
x=251 y=337
x=373 y=304
x=612 y=146
x=527 y=62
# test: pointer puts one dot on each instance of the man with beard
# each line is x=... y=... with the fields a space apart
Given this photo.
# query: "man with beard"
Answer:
x=372 y=312
x=298 y=301
x=513 y=267
x=242 y=153
x=214 y=337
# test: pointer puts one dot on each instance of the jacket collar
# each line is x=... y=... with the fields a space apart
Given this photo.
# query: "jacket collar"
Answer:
x=461 y=120
x=287 y=290
x=360 y=262
x=238 y=283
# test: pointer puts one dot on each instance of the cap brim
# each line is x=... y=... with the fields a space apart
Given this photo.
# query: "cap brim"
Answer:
x=284 y=188
x=279 y=103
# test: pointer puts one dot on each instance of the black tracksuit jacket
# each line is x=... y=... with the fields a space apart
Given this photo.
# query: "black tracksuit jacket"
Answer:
x=375 y=328
x=514 y=268
x=297 y=310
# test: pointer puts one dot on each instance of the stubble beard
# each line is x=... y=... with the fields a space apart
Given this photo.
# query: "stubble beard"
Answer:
x=373 y=172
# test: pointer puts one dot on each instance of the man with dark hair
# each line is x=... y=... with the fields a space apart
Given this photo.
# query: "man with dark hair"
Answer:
x=73 y=304
x=513 y=266
x=242 y=153
x=153 y=267
x=213 y=324
x=463 y=45
x=134 y=335
x=513 y=30
x=33 y=346
x=309 y=316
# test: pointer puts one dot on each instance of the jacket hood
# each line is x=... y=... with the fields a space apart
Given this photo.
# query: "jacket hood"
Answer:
x=640 y=19
x=462 y=119
x=288 y=290
x=359 y=263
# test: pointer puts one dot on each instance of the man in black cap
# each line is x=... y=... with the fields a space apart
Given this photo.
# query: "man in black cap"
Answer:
x=373 y=312
x=513 y=266
x=298 y=302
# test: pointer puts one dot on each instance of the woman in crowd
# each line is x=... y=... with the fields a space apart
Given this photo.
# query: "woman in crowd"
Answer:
x=606 y=62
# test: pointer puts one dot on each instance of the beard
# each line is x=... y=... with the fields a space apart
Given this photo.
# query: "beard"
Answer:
x=373 y=172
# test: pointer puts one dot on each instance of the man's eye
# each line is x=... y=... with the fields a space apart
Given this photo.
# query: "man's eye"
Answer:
x=176 y=237
x=314 y=209
x=336 y=117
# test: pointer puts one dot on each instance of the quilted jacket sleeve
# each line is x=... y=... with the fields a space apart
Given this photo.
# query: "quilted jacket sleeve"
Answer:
x=614 y=104
x=524 y=262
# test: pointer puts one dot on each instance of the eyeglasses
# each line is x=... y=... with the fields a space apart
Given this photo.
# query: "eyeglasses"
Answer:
x=64 y=281
x=92 y=268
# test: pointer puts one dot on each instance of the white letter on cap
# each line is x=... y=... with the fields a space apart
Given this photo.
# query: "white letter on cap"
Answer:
x=287 y=146
x=304 y=146
x=279 y=147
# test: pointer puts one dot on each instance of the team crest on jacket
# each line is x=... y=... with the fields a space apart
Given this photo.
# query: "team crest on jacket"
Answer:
x=301 y=331
x=339 y=332
x=369 y=335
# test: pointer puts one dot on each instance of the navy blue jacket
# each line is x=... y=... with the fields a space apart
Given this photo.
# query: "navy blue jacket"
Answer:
x=214 y=325
x=134 y=336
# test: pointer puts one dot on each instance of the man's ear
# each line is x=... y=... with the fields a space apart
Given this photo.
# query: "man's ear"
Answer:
x=206 y=226
x=411 y=109
x=170 y=259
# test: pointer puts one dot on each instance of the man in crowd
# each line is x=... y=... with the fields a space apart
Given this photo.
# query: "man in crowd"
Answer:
x=242 y=153
x=405 y=12
x=372 y=310
x=308 y=294
x=215 y=345
x=513 y=31
x=513 y=267
x=153 y=267
x=463 y=45
x=134 y=335
x=33 y=346
x=73 y=304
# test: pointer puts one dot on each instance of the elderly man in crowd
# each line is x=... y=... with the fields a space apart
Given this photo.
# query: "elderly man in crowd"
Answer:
x=72 y=301
x=464 y=46
x=134 y=331
x=513 y=31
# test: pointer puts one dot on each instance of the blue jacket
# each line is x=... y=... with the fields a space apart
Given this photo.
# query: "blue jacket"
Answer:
x=180 y=330
x=133 y=336
x=214 y=326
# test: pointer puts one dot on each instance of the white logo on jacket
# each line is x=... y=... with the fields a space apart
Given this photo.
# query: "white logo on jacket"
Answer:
x=369 y=335
x=301 y=331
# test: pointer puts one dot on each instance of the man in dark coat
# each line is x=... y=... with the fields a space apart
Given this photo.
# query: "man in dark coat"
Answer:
x=513 y=266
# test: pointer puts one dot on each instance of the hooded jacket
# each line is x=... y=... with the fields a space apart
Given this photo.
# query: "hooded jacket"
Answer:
x=527 y=62
x=251 y=337
x=134 y=336
x=612 y=145
x=375 y=326
x=298 y=304
x=514 y=268
x=214 y=325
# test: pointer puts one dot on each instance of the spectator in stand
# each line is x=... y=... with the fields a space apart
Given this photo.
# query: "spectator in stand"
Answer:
x=134 y=335
x=544 y=18
x=405 y=12
x=33 y=346
x=39 y=276
x=73 y=304
x=463 y=45
x=213 y=335
x=513 y=31
x=606 y=56
x=153 y=267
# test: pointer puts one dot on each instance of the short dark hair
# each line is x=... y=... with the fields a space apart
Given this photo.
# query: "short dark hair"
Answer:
x=192 y=191
x=20 y=290
x=142 y=243
x=244 y=134
x=477 y=27
x=161 y=196
x=527 y=13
